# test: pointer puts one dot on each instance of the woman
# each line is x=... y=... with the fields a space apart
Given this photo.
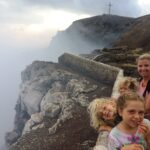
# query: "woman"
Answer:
x=143 y=67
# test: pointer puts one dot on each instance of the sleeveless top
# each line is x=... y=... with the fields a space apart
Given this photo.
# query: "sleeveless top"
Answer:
x=142 y=91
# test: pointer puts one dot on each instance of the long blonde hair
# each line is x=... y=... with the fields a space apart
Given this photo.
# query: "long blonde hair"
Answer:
x=94 y=108
x=126 y=97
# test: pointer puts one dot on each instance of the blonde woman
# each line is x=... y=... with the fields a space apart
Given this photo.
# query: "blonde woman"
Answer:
x=143 y=67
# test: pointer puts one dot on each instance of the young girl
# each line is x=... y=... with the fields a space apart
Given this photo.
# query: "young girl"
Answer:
x=128 y=134
x=128 y=84
x=99 y=118
x=102 y=121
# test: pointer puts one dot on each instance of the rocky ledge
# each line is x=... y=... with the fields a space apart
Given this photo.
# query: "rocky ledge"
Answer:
x=51 y=111
x=122 y=57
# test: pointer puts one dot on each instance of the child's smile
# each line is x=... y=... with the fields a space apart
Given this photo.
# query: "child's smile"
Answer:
x=132 y=114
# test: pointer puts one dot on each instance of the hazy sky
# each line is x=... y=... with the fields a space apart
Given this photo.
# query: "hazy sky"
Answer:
x=28 y=25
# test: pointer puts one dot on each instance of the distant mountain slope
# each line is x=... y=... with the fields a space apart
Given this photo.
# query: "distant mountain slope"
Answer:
x=138 y=34
x=87 y=34
x=103 y=31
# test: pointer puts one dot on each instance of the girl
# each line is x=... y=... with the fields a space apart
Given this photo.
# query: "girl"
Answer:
x=128 y=84
x=143 y=67
x=102 y=121
x=99 y=118
x=128 y=134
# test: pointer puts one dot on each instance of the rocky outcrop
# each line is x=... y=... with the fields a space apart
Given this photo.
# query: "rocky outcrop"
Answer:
x=138 y=34
x=51 y=112
x=99 y=71
x=121 y=57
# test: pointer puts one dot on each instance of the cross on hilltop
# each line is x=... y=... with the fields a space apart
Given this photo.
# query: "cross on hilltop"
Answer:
x=109 y=8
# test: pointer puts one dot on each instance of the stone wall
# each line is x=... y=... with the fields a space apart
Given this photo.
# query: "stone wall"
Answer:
x=96 y=70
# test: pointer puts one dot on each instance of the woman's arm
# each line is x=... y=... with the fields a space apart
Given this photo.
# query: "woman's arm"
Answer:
x=147 y=98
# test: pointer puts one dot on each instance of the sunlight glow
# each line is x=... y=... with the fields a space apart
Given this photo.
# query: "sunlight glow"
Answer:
x=143 y=2
x=145 y=5
x=38 y=34
x=56 y=19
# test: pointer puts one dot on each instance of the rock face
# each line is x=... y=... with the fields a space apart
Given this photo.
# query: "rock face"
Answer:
x=51 y=112
x=138 y=34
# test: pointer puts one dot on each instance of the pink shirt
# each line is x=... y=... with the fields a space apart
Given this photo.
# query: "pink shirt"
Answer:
x=140 y=91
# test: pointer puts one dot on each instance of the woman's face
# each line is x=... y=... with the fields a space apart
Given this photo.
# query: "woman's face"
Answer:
x=143 y=67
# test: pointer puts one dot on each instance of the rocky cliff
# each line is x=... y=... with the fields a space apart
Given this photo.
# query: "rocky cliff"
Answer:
x=51 y=112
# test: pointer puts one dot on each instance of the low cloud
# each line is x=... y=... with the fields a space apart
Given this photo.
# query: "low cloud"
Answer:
x=91 y=7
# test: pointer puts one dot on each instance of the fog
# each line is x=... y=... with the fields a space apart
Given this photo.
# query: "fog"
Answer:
x=12 y=63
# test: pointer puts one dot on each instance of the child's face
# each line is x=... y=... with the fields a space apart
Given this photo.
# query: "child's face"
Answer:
x=132 y=114
x=123 y=89
x=108 y=112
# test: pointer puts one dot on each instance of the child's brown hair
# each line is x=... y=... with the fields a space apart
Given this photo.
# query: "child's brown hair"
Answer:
x=123 y=99
x=128 y=96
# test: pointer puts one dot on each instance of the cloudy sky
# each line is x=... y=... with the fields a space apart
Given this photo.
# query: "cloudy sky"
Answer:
x=28 y=24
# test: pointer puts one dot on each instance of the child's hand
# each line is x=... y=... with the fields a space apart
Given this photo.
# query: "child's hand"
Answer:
x=133 y=147
x=144 y=129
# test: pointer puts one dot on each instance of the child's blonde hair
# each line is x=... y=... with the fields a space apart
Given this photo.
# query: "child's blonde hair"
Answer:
x=129 y=82
x=94 y=108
